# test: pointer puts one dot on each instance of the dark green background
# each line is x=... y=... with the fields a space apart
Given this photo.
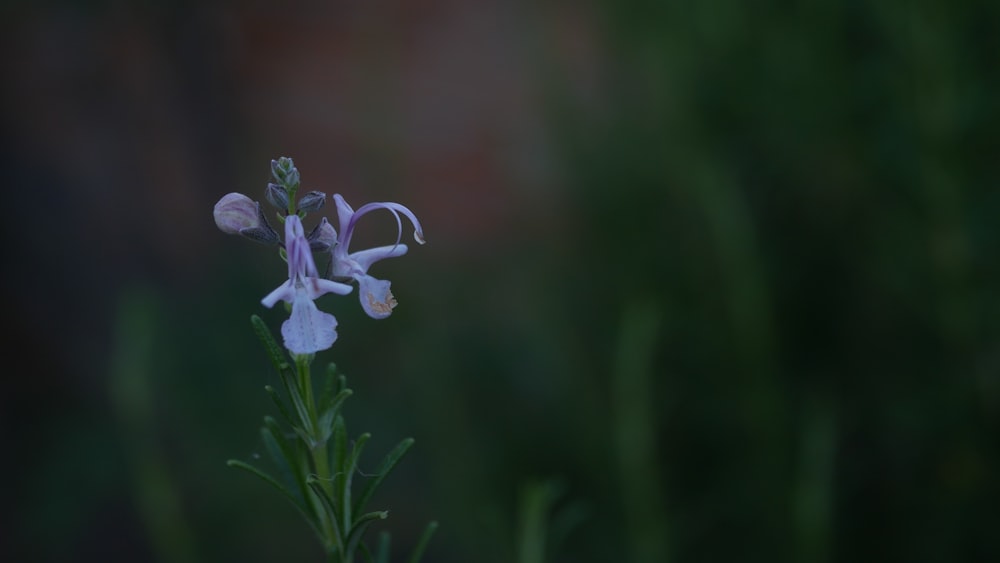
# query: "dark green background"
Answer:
x=717 y=281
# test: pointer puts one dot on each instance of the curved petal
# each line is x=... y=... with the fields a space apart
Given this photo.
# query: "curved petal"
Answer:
x=284 y=292
x=395 y=209
x=344 y=213
x=308 y=330
x=365 y=258
x=319 y=286
x=376 y=299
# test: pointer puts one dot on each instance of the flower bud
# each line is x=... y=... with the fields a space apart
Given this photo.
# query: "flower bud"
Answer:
x=323 y=237
x=285 y=172
x=311 y=201
x=277 y=195
x=235 y=212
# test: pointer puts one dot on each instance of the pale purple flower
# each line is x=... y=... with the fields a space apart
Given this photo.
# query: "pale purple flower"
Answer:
x=376 y=299
x=308 y=330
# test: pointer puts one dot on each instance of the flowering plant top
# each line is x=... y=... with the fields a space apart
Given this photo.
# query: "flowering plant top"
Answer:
x=309 y=330
x=317 y=468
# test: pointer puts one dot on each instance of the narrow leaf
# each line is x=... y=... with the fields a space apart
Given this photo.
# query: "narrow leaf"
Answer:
x=338 y=455
x=274 y=351
x=330 y=413
x=328 y=508
x=339 y=445
x=286 y=456
x=358 y=530
x=267 y=478
x=387 y=465
x=291 y=385
x=277 y=355
x=279 y=403
x=330 y=384
x=349 y=468
x=270 y=480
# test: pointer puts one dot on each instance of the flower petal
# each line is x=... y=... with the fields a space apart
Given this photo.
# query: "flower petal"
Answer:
x=308 y=330
x=365 y=258
x=344 y=213
x=376 y=299
x=395 y=209
x=234 y=212
x=318 y=286
x=284 y=292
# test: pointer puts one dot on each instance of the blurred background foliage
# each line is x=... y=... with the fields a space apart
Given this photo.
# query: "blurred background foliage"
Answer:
x=704 y=281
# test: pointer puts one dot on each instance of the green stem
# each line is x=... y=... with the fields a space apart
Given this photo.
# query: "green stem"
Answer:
x=305 y=388
x=318 y=451
x=291 y=189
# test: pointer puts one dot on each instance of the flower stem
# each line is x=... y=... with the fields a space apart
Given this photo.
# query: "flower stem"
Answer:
x=318 y=452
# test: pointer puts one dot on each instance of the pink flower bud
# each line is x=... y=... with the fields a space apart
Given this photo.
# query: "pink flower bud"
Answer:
x=236 y=212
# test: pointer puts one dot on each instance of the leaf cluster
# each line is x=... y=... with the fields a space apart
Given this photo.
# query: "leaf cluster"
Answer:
x=314 y=461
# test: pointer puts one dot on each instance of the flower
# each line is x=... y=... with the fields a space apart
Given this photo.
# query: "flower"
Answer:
x=307 y=330
x=237 y=214
x=376 y=299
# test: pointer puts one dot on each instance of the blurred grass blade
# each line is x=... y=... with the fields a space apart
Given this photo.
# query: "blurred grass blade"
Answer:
x=382 y=555
x=132 y=398
x=634 y=419
x=564 y=521
x=535 y=504
x=425 y=538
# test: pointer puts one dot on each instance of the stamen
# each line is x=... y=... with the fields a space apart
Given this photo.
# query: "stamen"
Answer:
x=382 y=307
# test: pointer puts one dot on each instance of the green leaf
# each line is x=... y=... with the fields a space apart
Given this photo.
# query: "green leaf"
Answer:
x=270 y=481
x=331 y=384
x=279 y=403
x=425 y=538
x=274 y=351
x=288 y=379
x=280 y=361
x=286 y=456
x=339 y=451
x=387 y=465
x=349 y=468
x=328 y=508
x=338 y=455
x=359 y=527
x=330 y=412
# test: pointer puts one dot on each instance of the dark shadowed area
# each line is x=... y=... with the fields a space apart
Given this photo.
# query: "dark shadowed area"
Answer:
x=703 y=281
